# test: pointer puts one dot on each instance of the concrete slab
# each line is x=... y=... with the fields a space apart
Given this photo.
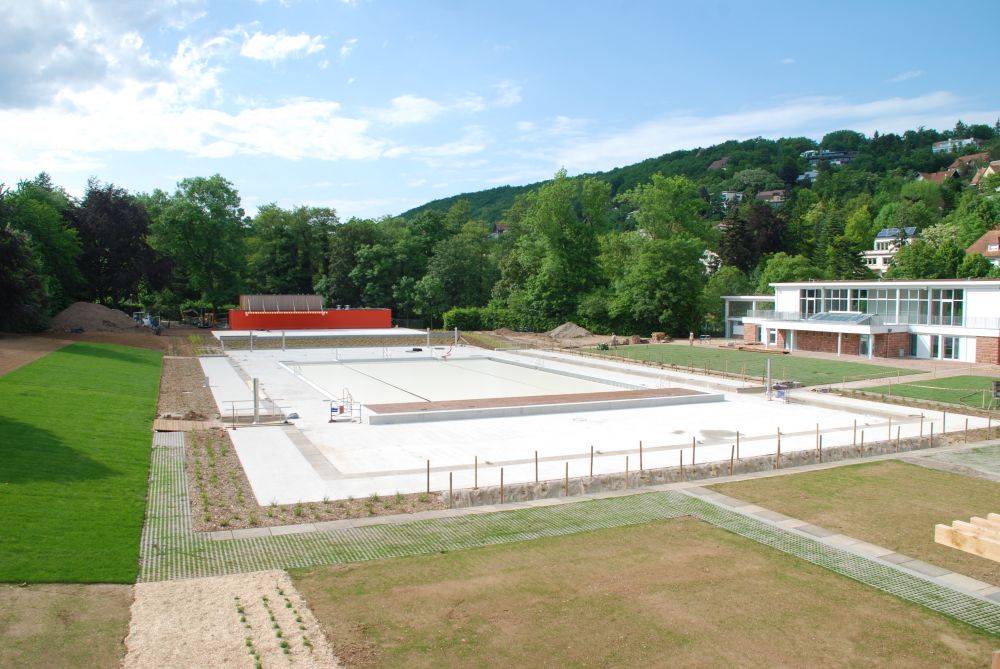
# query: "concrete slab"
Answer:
x=815 y=530
x=961 y=582
x=773 y=516
x=280 y=530
x=895 y=558
x=840 y=540
x=922 y=567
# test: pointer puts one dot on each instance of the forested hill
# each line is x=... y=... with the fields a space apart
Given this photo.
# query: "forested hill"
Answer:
x=908 y=153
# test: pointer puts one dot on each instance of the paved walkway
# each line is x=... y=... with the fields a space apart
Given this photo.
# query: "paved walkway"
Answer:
x=172 y=550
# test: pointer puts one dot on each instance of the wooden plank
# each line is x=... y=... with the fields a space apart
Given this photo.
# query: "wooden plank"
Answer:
x=949 y=536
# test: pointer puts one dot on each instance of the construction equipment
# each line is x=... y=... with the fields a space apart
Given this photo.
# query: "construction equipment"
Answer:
x=199 y=318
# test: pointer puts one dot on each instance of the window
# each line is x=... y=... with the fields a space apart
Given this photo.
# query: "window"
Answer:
x=913 y=306
x=810 y=301
x=992 y=247
x=836 y=299
x=882 y=301
x=949 y=348
x=935 y=346
x=913 y=346
x=772 y=336
x=946 y=306
x=859 y=298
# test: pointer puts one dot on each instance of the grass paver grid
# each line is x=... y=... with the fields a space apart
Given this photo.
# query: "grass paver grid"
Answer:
x=170 y=550
x=808 y=371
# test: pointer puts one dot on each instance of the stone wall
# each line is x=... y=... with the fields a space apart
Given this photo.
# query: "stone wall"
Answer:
x=608 y=482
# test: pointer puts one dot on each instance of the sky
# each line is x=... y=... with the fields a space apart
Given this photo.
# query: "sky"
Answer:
x=375 y=106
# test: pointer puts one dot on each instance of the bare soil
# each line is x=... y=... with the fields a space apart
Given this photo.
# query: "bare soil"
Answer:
x=19 y=350
x=65 y=626
x=92 y=318
x=183 y=393
x=242 y=620
x=222 y=499
x=678 y=593
x=545 y=340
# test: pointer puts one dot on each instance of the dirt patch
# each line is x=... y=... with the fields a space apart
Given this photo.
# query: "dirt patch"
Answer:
x=57 y=625
x=676 y=593
x=569 y=330
x=507 y=338
x=183 y=394
x=16 y=350
x=243 y=620
x=222 y=499
x=891 y=504
x=92 y=318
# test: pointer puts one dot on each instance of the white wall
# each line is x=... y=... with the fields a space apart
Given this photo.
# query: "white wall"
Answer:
x=982 y=302
x=786 y=299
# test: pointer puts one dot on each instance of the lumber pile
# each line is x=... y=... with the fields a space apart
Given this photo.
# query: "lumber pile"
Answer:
x=979 y=536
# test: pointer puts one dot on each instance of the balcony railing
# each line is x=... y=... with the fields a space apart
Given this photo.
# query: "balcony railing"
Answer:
x=854 y=318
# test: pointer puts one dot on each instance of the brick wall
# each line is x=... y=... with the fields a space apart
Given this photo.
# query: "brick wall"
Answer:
x=825 y=342
x=888 y=345
x=988 y=350
x=750 y=332
x=780 y=340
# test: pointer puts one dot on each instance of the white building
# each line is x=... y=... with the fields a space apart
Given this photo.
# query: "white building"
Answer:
x=946 y=319
x=953 y=145
x=887 y=243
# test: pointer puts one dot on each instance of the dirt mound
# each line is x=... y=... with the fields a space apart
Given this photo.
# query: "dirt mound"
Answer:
x=569 y=330
x=92 y=318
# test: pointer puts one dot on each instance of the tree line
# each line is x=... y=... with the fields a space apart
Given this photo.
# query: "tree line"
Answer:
x=647 y=247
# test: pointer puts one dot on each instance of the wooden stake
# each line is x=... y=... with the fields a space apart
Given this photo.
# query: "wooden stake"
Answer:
x=898 y=429
x=626 y=472
x=921 y=426
x=536 y=466
x=854 y=437
x=591 y=462
x=944 y=422
x=732 y=454
x=737 y=444
x=777 y=460
x=861 y=451
x=428 y=477
x=682 y=463
x=817 y=435
x=501 y=485
x=692 y=450
x=451 y=493
x=989 y=426
x=890 y=427
x=475 y=474
x=932 y=434
x=821 y=448
x=640 y=455
x=566 y=481
x=966 y=430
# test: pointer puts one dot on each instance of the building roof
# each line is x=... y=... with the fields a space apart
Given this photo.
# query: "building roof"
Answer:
x=769 y=194
x=719 y=164
x=892 y=233
x=281 y=302
x=880 y=283
x=971 y=159
x=977 y=177
x=939 y=177
x=982 y=244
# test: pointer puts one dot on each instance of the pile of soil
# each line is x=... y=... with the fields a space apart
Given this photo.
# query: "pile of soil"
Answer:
x=569 y=330
x=92 y=318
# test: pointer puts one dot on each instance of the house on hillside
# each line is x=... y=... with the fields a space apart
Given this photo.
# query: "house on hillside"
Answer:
x=719 y=164
x=970 y=161
x=939 y=177
x=988 y=246
x=953 y=145
x=773 y=197
x=814 y=157
x=887 y=242
x=989 y=170
x=811 y=175
x=730 y=198
x=498 y=229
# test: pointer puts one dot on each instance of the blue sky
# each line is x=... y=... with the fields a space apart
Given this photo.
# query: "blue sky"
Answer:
x=372 y=106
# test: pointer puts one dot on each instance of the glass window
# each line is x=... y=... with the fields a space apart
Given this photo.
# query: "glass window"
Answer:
x=913 y=306
x=935 y=345
x=859 y=299
x=949 y=347
x=913 y=345
x=946 y=306
x=810 y=301
x=835 y=300
x=772 y=336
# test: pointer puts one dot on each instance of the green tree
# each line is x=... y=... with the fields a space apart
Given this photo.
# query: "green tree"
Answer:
x=727 y=281
x=200 y=227
x=460 y=274
x=346 y=240
x=287 y=248
x=976 y=266
x=23 y=297
x=668 y=206
x=782 y=268
x=754 y=180
x=921 y=259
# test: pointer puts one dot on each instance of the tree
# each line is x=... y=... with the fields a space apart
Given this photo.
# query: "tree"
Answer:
x=783 y=268
x=668 y=206
x=844 y=260
x=201 y=228
x=754 y=180
x=976 y=266
x=459 y=274
x=843 y=140
x=287 y=248
x=727 y=281
x=661 y=288
x=116 y=258
x=22 y=288
x=346 y=241
x=753 y=231
x=921 y=259
x=37 y=208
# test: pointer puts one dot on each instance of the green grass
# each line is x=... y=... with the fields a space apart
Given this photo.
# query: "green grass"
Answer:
x=808 y=371
x=961 y=390
x=74 y=462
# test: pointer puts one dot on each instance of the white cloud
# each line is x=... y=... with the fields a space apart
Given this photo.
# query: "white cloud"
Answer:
x=471 y=102
x=806 y=116
x=508 y=94
x=407 y=109
x=347 y=47
x=787 y=61
x=906 y=76
x=473 y=141
x=280 y=45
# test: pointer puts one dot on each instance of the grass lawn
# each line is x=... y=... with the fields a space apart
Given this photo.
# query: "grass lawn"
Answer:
x=891 y=503
x=675 y=593
x=808 y=371
x=961 y=390
x=64 y=626
x=74 y=448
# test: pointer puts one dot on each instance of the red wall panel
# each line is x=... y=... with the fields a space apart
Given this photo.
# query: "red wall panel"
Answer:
x=334 y=319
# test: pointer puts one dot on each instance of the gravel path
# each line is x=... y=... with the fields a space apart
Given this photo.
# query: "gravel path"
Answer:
x=225 y=621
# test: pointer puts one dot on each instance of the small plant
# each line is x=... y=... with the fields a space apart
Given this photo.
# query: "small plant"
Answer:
x=423 y=498
x=398 y=498
x=374 y=499
x=297 y=510
x=326 y=500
